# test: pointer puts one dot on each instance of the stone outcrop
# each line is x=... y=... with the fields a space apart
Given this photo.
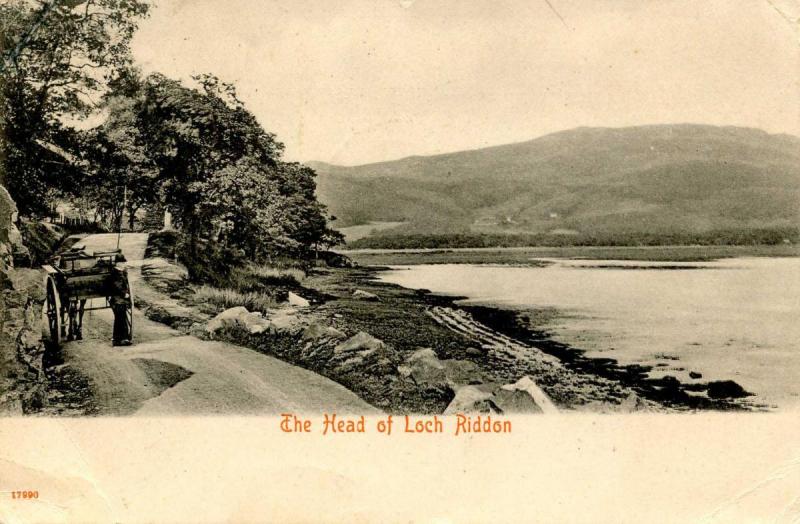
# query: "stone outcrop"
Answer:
x=255 y=323
x=316 y=332
x=11 y=245
x=429 y=372
x=633 y=403
x=286 y=321
x=297 y=300
x=22 y=378
x=228 y=318
x=521 y=397
x=365 y=295
x=529 y=387
x=359 y=343
x=367 y=352
x=472 y=399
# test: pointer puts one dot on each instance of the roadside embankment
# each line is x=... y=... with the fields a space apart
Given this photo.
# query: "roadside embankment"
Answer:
x=23 y=383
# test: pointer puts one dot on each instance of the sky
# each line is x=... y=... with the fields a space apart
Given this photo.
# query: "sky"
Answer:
x=352 y=82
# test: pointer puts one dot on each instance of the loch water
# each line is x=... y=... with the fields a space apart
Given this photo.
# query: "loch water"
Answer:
x=731 y=319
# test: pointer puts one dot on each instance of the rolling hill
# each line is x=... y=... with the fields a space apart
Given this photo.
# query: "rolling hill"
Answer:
x=655 y=179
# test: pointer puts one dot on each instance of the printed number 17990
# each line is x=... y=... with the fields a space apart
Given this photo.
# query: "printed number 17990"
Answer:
x=24 y=494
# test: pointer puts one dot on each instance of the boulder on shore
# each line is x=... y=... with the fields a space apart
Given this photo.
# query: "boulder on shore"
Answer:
x=426 y=370
x=285 y=321
x=527 y=385
x=360 y=342
x=227 y=318
x=726 y=389
x=365 y=351
x=472 y=399
x=317 y=331
x=254 y=322
x=521 y=397
x=515 y=401
x=365 y=295
x=297 y=300
x=633 y=403
x=423 y=367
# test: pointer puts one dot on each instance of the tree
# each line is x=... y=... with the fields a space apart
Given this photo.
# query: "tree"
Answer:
x=192 y=133
x=139 y=181
x=58 y=58
x=307 y=223
x=222 y=175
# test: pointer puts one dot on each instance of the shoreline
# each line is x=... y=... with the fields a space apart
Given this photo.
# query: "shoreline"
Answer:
x=499 y=342
x=515 y=323
x=665 y=390
x=405 y=319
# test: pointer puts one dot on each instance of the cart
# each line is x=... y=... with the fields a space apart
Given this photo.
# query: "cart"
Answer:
x=75 y=277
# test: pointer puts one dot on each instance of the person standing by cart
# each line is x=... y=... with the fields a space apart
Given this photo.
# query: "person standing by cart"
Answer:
x=120 y=301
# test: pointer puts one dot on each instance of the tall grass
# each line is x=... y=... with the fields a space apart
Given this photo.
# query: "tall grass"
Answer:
x=255 y=286
x=255 y=278
x=224 y=298
x=272 y=274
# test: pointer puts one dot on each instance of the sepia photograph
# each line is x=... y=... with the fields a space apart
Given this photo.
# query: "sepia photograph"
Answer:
x=449 y=219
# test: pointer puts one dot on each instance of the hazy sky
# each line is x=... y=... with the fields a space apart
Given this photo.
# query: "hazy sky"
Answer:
x=352 y=82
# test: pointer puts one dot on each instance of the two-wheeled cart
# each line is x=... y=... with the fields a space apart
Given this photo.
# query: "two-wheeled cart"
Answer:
x=76 y=277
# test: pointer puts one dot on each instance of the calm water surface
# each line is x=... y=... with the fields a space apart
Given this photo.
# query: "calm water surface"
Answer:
x=733 y=319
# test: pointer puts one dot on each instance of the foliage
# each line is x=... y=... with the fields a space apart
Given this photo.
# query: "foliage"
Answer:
x=193 y=149
x=116 y=168
x=221 y=174
x=58 y=58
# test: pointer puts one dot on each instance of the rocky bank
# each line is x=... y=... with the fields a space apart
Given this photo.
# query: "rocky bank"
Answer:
x=23 y=383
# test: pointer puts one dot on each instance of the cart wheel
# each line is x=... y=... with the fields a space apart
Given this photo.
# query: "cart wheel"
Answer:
x=53 y=311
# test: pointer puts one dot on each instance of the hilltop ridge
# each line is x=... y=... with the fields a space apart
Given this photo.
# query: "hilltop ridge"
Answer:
x=655 y=178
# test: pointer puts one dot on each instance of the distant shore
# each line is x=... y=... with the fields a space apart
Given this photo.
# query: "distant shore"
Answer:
x=527 y=255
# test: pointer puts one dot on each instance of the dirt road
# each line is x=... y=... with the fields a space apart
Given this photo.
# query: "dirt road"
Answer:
x=168 y=373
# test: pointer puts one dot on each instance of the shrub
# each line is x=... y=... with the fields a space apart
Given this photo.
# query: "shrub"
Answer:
x=41 y=239
x=162 y=244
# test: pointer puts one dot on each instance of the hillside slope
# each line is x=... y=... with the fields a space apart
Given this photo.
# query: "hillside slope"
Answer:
x=661 y=178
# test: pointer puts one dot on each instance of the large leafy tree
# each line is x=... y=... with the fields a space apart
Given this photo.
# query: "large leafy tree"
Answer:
x=117 y=168
x=222 y=173
x=261 y=210
x=191 y=133
x=58 y=59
